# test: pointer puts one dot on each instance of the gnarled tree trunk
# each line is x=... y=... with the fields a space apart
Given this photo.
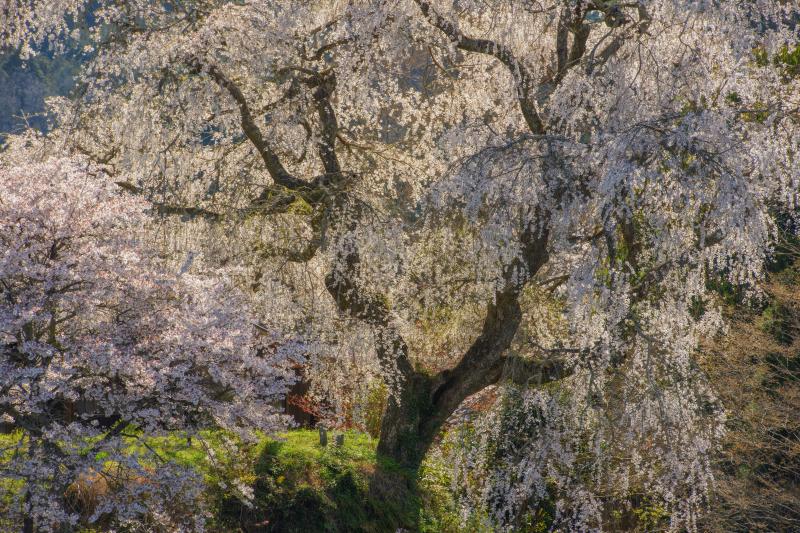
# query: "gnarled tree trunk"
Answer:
x=420 y=404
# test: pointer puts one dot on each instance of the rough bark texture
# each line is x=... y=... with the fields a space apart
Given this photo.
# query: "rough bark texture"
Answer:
x=413 y=420
x=414 y=417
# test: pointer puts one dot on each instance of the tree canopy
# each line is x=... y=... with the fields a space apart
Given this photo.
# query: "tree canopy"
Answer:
x=549 y=186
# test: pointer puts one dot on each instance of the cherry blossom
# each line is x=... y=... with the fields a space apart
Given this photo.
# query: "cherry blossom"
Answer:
x=103 y=340
x=415 y=184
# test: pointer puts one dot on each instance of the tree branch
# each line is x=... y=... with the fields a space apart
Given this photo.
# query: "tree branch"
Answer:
x=613 y=47
x=482 y=365
x=327 y=118
x=392 y=349
x=251 y=130
x=171 y=209
x=522 y=75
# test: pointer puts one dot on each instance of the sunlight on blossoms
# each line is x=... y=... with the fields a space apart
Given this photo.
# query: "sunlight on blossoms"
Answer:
x=408 y=265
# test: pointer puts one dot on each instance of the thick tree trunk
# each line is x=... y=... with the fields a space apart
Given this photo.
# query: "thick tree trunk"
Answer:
x=406 y=412
x=414 y=417
x=419 y=404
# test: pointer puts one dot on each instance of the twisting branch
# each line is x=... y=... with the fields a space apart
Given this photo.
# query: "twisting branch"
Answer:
x=273 y=164
x=317 y=55
x=330 y=127
x=569 y=21
x=484 y=361
x=522 y=75
x=371 y=309
x=613 y=47
x=171 y=209
x=314 y=192
x=581 y=35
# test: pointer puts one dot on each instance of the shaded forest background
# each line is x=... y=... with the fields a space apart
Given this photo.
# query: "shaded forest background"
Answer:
x=24 y=85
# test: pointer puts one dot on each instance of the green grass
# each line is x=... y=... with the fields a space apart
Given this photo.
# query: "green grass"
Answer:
x=299 y=485
x=302 y=486
x=9 y=488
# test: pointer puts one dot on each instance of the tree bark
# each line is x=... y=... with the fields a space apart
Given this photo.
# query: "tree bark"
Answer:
x=415 y=414
x=414 y=417
x=420 y=403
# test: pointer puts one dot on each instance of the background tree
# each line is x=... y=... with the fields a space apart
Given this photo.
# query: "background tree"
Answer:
x=395 y=160
x=102 y=343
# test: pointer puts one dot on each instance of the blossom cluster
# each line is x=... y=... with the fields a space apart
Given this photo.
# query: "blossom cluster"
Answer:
x=102 y=342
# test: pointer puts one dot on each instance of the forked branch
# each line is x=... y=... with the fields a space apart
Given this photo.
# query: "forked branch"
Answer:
x=518 y=69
